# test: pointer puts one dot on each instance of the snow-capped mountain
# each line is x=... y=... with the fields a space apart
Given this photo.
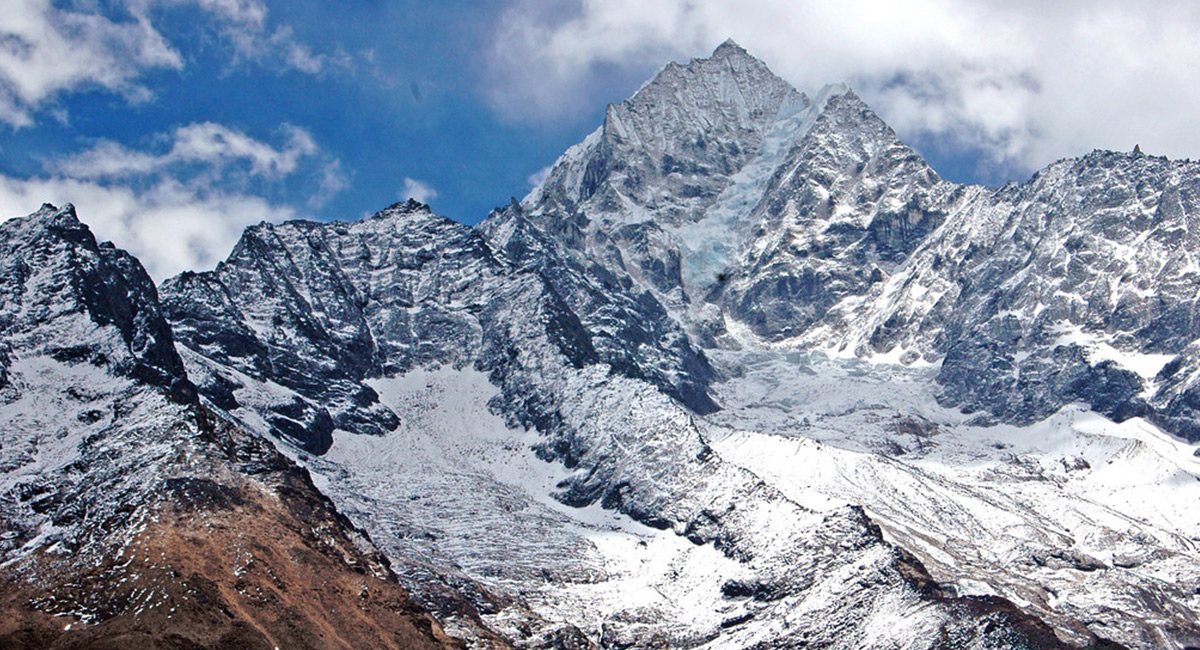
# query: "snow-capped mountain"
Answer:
x=742 y=372
x=825 y=231
x=834 y=236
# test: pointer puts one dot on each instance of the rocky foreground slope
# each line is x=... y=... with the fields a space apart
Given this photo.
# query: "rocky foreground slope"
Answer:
x=743 y=372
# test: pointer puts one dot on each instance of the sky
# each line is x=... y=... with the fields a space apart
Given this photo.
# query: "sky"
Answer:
x=173 y=124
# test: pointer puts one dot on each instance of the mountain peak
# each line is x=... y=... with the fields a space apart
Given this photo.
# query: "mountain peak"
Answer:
x=61 y=281
x=730 y=76
x=50 y=215
x=409 y=210
x=692 y=124
x=728 y=49
x=835 y=90
x=406 y=206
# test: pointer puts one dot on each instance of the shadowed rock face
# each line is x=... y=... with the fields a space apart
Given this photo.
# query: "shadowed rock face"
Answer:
x=309 y=311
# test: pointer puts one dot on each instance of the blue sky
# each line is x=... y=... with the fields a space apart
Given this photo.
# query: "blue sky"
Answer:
x=398 y=97
x=172 y=124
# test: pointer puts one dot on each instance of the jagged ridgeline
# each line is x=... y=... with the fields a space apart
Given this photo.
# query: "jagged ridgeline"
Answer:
x=593 y=420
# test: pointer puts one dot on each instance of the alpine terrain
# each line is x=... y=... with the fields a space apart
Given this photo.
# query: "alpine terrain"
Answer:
x=743 y=371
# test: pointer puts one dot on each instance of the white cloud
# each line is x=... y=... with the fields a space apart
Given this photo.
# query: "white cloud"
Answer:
x=208 y=143
x=184 y=205
x=170 y=227
x=333 y=182
x=540 y=176
x=249 y=13
x=46 y=50
x=244 y=24
x=253 y=41
x=1025 y=81
x=418 y=190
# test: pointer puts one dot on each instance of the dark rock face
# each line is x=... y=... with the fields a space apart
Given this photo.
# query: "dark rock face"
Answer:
x=630 y=328
x=54 y=277
x=984 y=375
x=308 y=311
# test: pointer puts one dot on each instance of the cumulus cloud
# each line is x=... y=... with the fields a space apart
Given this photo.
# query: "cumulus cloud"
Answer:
x=418 y=190
x=170 y=226
x=46 y=50
x=183 y=202
x=1025 y=82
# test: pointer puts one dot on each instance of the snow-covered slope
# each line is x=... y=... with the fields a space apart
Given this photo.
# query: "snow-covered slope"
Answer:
x=1075 y=517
